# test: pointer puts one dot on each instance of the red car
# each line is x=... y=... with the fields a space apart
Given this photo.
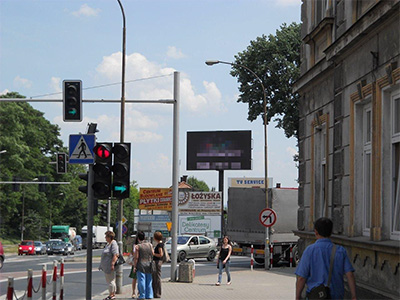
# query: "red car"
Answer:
x=1 y=255
x=26 y=247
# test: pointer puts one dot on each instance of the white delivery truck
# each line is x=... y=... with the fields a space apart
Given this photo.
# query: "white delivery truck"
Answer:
x=98 y=238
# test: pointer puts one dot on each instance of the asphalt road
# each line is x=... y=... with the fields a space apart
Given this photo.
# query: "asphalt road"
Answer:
x=75 y=273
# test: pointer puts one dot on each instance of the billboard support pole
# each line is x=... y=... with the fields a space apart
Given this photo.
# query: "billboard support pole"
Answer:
x=221 y=189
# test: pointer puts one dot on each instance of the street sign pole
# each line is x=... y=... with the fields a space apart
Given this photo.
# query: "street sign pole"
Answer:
x=89 y=253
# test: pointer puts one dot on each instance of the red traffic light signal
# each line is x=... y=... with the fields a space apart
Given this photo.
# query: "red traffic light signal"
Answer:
x=102 y=151
x=61 y=163
x=102 y=170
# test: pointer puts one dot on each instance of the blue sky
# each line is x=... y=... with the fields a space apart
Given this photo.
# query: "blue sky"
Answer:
x=44 y=42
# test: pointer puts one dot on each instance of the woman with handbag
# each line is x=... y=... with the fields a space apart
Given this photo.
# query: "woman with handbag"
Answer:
x=143 y=267
x=107 y=263
x=223 y=261
x=158 y=261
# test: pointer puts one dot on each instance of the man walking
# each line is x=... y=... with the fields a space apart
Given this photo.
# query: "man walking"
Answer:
x=314 y=265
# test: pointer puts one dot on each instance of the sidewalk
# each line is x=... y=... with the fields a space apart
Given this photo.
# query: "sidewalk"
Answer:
x=246 y=284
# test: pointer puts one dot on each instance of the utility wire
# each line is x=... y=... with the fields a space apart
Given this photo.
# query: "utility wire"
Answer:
x=106 y=85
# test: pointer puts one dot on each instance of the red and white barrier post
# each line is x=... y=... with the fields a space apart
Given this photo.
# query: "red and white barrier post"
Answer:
x=251 y=258
x=30 y=284
x=271 y=252
x=10 y=288
x=62 y=279
x=55 y=280
x=291 y=255
x=44 y=281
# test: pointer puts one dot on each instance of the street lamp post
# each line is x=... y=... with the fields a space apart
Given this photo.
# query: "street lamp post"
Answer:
x=214 y=62
x=119 y=273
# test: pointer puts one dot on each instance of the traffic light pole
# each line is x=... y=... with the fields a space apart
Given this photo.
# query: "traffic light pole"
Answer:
x=89 y=254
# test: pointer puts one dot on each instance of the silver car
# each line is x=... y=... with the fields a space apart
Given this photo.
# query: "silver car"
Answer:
x=40 y=248
x=193 y=246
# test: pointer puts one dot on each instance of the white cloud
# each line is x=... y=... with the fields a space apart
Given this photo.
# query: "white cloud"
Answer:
x=288 y=2
x=4 y=92
x=292 y=151
x=22 y=82
x=55 y=84
x=87 y=11
x=138 y=67
x=174 y=53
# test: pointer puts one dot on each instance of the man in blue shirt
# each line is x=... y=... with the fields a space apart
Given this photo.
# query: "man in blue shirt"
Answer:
x=313 y=268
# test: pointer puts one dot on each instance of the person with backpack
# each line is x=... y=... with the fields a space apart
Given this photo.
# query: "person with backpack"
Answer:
x=323 y=265
x=159 y=253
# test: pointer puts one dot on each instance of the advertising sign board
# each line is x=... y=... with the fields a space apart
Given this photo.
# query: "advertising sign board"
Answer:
x=200 y=203
x=155 y=198
x=205 y=225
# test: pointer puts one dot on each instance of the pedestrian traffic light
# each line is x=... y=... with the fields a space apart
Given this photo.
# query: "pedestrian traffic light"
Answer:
x=42 y=186
x=103 y=211
x=102 y=170
x=72 y=100
x=121 y=170
x=61 y=163
x=84 y=188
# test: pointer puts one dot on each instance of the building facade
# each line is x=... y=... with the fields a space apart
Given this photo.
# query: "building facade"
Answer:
x=349 y=135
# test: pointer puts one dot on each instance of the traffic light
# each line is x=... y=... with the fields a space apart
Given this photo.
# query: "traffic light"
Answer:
x=61 y=163
x=84 y=188
x=103 y=211
x=42 y=186
x=121 y=170
x=16 y=186
x=72 y=100
x=102 y=170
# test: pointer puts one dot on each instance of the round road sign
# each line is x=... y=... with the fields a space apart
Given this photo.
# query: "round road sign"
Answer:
x=267 y=217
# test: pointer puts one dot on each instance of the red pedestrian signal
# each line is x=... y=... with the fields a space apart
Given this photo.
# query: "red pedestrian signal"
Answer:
x=102 y=170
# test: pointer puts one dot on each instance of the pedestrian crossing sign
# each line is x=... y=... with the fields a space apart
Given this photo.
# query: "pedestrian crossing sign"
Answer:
x=81 y=148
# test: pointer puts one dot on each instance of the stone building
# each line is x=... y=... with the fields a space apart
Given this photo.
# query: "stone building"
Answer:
x=349 y=136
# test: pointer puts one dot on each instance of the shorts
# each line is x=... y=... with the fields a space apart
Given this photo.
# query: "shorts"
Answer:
x=132 y=274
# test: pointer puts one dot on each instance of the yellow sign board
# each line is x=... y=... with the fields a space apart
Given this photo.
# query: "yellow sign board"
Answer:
x=169 y=225
x=155 y=198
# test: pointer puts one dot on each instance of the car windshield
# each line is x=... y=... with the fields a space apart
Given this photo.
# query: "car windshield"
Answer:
x=26 y=243
x=38 y=243
x=181 y=240
x=57 y=243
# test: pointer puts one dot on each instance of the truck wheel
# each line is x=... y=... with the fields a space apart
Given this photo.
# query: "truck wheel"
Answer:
x=260 y=261
x=181 y=256
x=211 y=255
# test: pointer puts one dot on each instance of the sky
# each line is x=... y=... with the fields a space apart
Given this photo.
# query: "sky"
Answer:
x=43 y=43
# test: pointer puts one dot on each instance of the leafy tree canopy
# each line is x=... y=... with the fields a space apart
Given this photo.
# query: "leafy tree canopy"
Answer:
x=276 y=60
x=198 y=185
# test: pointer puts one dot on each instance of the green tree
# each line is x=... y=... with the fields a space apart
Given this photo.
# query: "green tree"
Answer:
x=32 y=142
x=276 y=60
x=198 y=185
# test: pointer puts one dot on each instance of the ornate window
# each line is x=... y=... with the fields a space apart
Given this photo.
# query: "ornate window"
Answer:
x=395 y=139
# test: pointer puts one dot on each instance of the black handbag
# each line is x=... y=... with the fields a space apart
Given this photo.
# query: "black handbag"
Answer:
x=323 y=291
x=120 y=260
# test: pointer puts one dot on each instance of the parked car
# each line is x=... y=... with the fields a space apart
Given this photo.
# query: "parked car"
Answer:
x=193 y=246
x=2 y=257
x=70 y=249
x=40 y=248
x=26 y=247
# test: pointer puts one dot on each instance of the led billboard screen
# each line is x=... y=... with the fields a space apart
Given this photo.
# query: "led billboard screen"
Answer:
x=218 y=150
